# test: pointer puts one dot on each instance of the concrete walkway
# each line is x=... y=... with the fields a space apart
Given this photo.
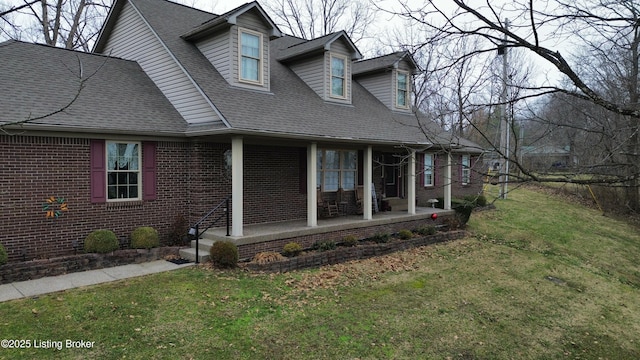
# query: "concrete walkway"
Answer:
x=30 y=288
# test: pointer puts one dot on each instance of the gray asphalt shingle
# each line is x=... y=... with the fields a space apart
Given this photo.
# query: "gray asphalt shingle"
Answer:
x=114 y=95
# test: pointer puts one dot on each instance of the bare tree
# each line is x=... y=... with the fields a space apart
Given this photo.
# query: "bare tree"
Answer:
x=310 y=19
x=602 y=79
x=72 y=24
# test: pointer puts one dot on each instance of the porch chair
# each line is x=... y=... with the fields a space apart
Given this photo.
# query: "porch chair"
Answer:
x=326 y=206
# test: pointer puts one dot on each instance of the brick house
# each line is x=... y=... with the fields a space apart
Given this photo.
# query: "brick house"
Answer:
x=177 y=109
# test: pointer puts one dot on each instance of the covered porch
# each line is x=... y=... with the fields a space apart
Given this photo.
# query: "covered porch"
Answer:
x=243 y=233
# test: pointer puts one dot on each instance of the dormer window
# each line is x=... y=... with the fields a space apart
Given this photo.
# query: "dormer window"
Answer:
x=402 y=90
x=250 y=56
x=338 y=76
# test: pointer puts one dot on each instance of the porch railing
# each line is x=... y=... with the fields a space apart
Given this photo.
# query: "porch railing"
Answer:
x=209 y=220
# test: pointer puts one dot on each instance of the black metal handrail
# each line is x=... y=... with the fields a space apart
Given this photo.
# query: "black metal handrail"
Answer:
x=195 y=229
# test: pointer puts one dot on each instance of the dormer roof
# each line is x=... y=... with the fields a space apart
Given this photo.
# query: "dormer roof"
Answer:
x=230 y=18
x=384 y=63
x=318 y=45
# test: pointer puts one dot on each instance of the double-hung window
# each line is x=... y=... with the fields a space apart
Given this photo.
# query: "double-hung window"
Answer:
x=466 y=169
x=250 y=56
x=337 y=169
x=338 y=76
x=427 y=171
x=402 y=90
x=124 y=177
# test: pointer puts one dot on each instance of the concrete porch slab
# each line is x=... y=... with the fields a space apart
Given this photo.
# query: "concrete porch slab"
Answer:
x=297 y=228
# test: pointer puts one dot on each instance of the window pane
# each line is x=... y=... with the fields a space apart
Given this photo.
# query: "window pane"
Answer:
x=250 y=69
x=131 y=156
x=402 y=81
x=332 y=159
x=402 y=98
x=348 y=180
x=349 y=160
x=112 y=155
x=337 y=86
x=337 y=67
x=331 y=180
x=250 y=45
x=113 y=192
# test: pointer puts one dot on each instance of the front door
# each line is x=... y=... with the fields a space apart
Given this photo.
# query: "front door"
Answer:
x=391 y=176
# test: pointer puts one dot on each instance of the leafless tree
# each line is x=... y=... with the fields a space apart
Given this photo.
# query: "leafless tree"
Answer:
x=310 y=19
x=598 y=69
x=72 y=24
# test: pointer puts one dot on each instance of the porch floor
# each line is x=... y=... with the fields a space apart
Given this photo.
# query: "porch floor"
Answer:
x=255 y=233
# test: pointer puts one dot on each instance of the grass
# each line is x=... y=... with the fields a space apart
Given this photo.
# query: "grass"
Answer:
x=538 y=278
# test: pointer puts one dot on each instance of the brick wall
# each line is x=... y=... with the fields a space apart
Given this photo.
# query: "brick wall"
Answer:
x=457 y=189
x=191 y=180
x=36 y=168
x=247 y=251
x=272 y=184
x=344 y=254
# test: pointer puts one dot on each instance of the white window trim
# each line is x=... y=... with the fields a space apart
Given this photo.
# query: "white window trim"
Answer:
x=344 y=95
x=431 y=169
x=407 y=90
x=140 y=164
x=260 y=60
x=466 y=169
x=322 y=169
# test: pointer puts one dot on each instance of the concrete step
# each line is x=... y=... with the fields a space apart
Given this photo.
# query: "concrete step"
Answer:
x=190 y=254
x=204 y=244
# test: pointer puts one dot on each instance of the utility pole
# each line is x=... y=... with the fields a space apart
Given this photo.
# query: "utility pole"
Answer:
x=504 y=121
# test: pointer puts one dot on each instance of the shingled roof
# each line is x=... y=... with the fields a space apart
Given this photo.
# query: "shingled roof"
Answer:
x=382 y=63
x=113 y=95
x=291 y=108
x=121 y=98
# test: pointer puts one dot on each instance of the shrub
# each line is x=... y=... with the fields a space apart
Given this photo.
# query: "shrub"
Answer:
x=463 y=212
x=405 y=234
x=324 y=245
x=292 y=249
x=427 y=230
x=3 y=255
x=350 y=240
x=381 y=238
x=101 y=241
x=178 y=231
x=224 y=254
x=144 y=237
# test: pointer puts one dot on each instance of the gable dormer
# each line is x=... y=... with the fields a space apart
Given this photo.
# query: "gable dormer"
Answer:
x=324 y=64
x=388 y=78
x=237 y=45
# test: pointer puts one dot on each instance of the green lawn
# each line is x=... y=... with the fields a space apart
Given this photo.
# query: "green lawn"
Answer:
x=537 y=279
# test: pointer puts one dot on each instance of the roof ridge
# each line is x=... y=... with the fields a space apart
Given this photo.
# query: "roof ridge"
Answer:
x=306 y=41
x=403 y=52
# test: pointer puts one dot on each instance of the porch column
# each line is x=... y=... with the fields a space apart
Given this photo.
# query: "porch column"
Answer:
x=312 y=194
x=411 y=186
x=367 y=182
x=447 y=183
x=237 y=186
